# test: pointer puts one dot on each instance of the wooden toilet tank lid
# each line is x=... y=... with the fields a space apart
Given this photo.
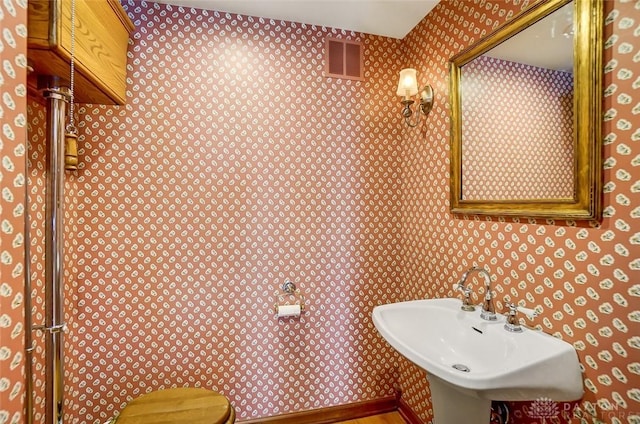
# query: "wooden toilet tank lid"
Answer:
x=177 y=406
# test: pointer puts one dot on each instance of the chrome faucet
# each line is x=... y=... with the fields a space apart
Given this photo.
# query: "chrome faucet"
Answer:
x=488 y=308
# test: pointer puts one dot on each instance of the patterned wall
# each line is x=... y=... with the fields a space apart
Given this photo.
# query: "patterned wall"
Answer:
x=234 y=166
x=517 y=131
x=583 y=277
x=13 y=96
x=194 y=203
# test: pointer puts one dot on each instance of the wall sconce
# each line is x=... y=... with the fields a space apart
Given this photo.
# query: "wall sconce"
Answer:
x=408 y=87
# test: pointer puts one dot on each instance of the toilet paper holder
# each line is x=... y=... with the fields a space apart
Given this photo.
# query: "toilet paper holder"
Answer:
x=289 y=301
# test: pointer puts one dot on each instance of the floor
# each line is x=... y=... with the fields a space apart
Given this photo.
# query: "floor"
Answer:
x=388 y=418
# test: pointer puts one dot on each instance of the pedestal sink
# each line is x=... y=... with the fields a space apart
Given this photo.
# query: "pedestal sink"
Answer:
x=471 y=361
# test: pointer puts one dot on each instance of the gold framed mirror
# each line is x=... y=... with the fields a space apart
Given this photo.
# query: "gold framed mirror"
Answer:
x=526 y=135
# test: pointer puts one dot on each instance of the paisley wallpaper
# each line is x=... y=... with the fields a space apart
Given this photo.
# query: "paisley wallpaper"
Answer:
x=584 y=278
x=13 y=123
x=236 y=165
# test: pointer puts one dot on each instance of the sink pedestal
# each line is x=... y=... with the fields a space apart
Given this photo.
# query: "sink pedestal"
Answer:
x=453 y=406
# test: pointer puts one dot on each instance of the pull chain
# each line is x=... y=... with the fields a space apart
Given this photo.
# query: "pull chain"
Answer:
x=71 y=132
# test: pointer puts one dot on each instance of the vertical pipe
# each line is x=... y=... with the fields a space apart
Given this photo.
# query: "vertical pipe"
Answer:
x=28 y=305
x=57 y=98
x=28 y=319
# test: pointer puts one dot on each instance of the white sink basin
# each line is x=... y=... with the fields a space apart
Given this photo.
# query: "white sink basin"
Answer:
x=478 y=357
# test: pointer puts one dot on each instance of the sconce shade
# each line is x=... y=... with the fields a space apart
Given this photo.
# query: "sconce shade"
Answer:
x=407 y=88
x=408 y=84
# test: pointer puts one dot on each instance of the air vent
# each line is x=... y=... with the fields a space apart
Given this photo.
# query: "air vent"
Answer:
x=343 y=59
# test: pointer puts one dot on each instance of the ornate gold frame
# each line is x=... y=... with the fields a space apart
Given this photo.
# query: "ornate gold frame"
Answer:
x=587 y=201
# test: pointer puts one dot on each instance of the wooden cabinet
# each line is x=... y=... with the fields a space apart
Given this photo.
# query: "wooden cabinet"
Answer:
x=102 y=30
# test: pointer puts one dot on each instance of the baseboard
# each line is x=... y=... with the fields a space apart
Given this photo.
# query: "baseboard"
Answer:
x=407 y=413
x=333 y=414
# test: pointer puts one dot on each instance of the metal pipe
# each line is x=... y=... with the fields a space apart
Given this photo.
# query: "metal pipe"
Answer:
x=28 y=306
x=57 y=98
x=28 y=319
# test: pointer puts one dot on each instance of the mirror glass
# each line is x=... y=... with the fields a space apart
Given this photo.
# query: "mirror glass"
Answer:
x=519 y=142
x=518 y=115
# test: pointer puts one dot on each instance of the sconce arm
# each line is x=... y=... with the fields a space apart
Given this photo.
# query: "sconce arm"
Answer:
x=426 y=104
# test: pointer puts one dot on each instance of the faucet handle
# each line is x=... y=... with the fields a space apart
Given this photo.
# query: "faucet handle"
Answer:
x=512 y=323
x=466 y=302
x=460 y=287
x=513 y=308
x=530 y=313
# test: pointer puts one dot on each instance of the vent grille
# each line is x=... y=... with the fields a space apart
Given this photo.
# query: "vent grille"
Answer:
x=343 y=59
